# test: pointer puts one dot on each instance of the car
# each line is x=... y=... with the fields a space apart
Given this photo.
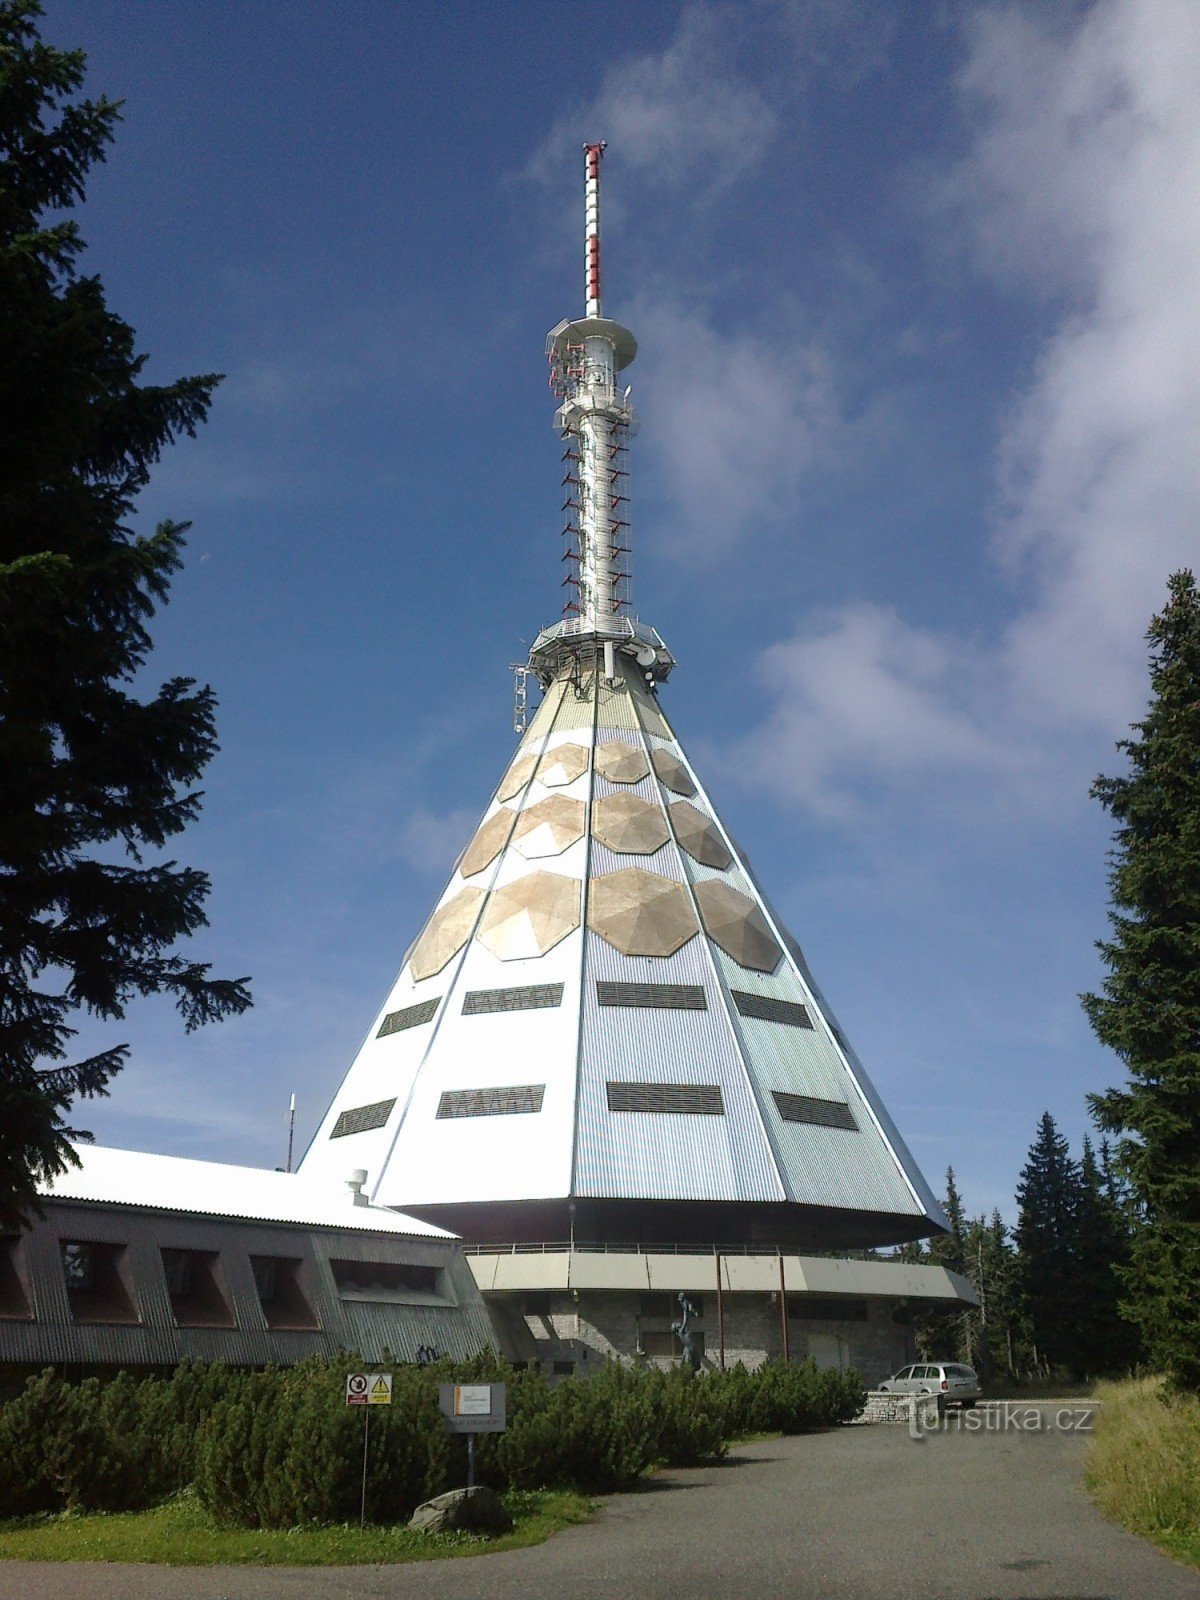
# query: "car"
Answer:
x=957 y=1384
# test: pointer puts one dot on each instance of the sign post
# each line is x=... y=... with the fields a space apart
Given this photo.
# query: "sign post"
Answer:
x=472 y=1408
x=367 y=1389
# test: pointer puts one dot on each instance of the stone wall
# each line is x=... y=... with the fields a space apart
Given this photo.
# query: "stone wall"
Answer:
x=562 y=1330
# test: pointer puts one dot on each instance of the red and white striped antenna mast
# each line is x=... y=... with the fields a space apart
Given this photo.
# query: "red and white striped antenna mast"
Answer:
x=595 y=420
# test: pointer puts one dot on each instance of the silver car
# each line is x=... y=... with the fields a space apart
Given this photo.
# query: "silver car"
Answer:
x=958 y=1385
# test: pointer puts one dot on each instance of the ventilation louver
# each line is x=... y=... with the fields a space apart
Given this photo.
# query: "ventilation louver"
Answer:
x=362 y=1118
x=410 y=1017
x=768 y=1009
x=512 y=1100
x=533 y=997
x=676 y=1099
x=664 y=996
x=823 y=1113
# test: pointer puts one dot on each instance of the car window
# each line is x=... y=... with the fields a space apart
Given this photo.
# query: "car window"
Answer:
x=924 y=1372
x=905 y=1372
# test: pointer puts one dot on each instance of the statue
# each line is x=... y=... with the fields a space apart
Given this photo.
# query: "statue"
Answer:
x=691 y=1356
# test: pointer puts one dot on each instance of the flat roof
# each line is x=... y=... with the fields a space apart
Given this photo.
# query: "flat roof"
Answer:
x=106 y=1176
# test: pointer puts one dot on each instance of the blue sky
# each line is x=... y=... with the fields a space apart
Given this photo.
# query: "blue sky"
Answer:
x=915 y=289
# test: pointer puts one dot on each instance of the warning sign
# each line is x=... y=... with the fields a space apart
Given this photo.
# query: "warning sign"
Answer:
x=369 y=1389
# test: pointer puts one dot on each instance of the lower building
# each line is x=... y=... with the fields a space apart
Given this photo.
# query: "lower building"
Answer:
x=569 y=1309
x=140 y=1261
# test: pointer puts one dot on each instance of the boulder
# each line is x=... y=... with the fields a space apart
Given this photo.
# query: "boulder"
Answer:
x=480 y=1510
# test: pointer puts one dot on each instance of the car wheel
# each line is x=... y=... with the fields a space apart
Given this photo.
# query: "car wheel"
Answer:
x=883 y=1389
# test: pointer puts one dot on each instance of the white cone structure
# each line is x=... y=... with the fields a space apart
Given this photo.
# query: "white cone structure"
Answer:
x=603 y=1032
x=614 y=1036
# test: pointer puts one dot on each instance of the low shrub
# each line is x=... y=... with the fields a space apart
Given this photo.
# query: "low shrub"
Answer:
x=595 y=1434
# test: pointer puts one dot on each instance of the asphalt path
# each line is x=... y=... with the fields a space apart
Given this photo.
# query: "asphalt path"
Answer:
x=862 y=1513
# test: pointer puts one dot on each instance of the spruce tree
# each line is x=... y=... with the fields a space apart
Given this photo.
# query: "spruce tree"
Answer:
x=1045 y=1240
x=1148 y=1011
x=1106 y=1342
x=95 y=779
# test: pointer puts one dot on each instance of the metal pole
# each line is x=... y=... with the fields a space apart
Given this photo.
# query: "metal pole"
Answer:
x=470 y=1461
x=720 y=1317
x=291 y=1130
x=783 y=1310
x=362 y=1507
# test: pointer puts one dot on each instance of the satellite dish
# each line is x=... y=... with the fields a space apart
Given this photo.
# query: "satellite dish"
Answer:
x=646 y=656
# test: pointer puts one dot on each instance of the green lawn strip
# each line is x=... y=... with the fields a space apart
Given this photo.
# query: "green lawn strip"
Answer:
x=181 y=1533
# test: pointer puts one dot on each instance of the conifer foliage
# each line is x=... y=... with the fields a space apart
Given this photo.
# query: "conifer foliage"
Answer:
x=1149 y=1007
x=94 y=780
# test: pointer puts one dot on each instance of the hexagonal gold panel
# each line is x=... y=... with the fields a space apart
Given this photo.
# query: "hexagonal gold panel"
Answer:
x=673 y=773
x=447 y=930
x=529 y=917
x=699 y=835
x=630 y=826
x=563 y=764
x=641 y=913
x=621 y=763
x=734 y=921
x=517 y=776
x=547 y=828
x=489 y=840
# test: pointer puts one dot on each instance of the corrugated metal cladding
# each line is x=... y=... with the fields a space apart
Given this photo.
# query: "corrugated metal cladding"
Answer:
x=457 y=1324
x=705 y=1158
x=516 y=1100
x=531 y=997
x=362 y=1118
x=408 y=1017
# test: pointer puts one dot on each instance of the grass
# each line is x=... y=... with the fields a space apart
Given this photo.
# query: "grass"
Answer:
x=181 y=1533
x=1143 y=1466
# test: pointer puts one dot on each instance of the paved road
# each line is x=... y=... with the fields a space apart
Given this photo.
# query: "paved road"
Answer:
x=859 y=1514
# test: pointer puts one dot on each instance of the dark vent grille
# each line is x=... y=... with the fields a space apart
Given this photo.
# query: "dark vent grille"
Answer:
x=767 y=1009
x=682 y=1099
x=667 y=996
x=536 y=997
x=410 y=1017
x=515 y=1100
x=825 y=1113
x=362 y=1118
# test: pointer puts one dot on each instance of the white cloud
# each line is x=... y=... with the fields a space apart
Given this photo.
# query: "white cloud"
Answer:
x=1081 y=183
x=732 y=431
x=684 y=117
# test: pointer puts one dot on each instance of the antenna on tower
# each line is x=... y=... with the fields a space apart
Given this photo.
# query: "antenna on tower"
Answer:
x=291 y=1131
x=591 y=228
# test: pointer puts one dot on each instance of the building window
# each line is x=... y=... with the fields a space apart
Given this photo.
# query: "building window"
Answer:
x=284 y=1303
x=674 y=1099
x=387 y=1282
x=826 y=1308
x=562 y=1369
x=533 y=997
x=515 y=1100
x=197 y=1298
x=361 y=1119
x=14 y=1281
x=667 y=1305
x=768 y=1009
x=652 y=996
x=410 y=1017
x=821 y=1113
x=96 y=1278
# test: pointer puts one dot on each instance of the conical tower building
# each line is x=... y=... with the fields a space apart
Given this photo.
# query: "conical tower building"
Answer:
x=603 y=1033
